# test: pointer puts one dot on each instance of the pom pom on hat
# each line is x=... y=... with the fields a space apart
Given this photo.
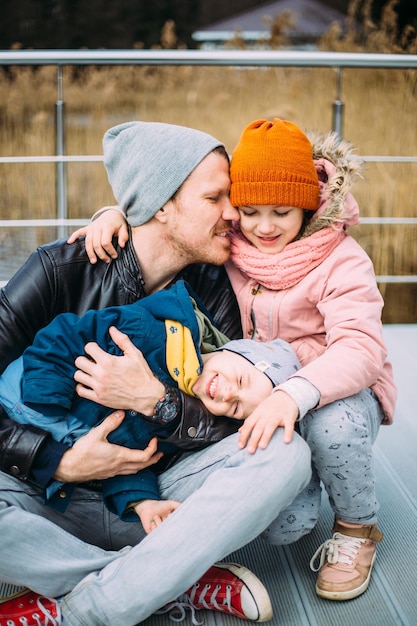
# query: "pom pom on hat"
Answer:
x=273 y=358
x=147 y=162
x=273 y=165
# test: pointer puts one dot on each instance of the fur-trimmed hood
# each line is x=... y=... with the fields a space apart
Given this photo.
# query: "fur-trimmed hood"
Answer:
x=338 y=167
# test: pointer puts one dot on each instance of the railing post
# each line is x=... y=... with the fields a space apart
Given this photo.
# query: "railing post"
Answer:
x=61 y=183
x=338 y=106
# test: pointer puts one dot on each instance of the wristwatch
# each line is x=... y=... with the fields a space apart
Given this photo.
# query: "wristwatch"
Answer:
x=167 y=407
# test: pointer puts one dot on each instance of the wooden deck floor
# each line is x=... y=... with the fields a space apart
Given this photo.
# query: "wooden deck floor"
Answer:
x=391 y=599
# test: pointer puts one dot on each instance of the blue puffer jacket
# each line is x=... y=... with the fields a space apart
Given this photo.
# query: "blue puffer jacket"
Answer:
x=49 y=362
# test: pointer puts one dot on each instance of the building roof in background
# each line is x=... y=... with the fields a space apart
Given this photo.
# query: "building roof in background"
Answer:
x=313 y=19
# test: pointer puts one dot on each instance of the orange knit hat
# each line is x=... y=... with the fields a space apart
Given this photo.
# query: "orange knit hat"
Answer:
x=273 y=165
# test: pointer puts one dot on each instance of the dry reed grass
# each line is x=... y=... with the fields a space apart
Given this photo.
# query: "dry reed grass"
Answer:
x=380 y=119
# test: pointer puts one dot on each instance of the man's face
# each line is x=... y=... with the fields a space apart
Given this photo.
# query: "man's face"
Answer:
x=201 y=214
x=230 y=385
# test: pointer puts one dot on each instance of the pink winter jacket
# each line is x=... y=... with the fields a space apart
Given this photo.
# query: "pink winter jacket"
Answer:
x=332 y=319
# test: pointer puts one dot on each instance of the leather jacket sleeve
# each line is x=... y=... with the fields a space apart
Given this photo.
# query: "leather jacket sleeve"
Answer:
x=16 y=456
x=54 y=279
x=26 y=305
x=197 y=427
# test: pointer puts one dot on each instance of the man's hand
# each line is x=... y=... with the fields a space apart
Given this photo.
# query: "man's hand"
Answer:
x=93 y=457
x=278 y=410
x=119 y=382
x=153 y=512
x=100 y=232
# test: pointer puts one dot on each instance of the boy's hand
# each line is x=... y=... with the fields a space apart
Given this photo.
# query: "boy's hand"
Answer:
x=153 y=512
x=278 y=410
x=100 y=232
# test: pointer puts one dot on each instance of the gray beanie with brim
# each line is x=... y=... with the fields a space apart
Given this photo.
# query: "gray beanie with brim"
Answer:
x=147 y=162
x=276 y=359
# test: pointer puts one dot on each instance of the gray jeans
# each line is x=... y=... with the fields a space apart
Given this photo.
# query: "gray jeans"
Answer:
x=228 y=498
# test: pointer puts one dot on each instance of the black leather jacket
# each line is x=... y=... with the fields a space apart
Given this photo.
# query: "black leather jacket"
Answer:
x=58 y=278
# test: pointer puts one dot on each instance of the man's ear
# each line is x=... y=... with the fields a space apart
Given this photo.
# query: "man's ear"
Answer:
x=162 y=214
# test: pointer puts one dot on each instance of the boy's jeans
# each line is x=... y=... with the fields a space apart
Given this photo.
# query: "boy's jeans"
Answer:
x=229 y=497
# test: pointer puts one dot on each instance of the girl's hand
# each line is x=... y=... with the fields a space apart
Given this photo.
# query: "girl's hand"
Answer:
x=278 y=410
x=100 y=232
x=153 y=512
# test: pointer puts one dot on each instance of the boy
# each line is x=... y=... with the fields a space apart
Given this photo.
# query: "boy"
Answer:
x=181 y=344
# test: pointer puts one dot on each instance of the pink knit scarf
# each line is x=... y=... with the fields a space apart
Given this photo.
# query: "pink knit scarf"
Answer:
x=283 y=269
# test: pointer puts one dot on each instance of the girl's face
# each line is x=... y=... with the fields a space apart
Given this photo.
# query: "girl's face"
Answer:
x=230 y=385
x=270 y=228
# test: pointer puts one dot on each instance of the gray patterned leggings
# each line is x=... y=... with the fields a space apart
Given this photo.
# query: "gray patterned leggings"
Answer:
x=340 y=436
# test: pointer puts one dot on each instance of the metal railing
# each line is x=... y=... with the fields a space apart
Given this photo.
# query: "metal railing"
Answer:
x=237 y=58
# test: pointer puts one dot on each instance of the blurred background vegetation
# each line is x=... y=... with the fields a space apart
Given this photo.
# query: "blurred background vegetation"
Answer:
x=380 y=119
x=137 y=23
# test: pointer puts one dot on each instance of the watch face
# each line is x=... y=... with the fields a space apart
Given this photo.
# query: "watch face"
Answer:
x=167 y=411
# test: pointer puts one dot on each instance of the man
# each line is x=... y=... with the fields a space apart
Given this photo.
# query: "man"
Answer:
x=174 y=184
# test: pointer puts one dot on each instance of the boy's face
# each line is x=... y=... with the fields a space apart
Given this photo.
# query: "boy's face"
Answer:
x=230 y=385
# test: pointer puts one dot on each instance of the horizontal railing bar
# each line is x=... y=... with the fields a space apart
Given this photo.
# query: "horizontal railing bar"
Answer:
x=208 y=57
x=85 y=158
x=396 y=279
x=389 y=159
x=43 y=222
x=38 y=223
x=52 y=159
x=379 y=279
x=388 y=220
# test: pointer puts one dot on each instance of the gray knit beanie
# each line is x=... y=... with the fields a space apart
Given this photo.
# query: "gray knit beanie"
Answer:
x=147 y=162
x=276 y=359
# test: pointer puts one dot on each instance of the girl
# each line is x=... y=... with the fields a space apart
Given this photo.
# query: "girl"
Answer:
x=298 y=275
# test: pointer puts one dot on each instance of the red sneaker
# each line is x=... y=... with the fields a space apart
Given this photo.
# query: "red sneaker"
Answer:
x=228 y=588
x=29 y=608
